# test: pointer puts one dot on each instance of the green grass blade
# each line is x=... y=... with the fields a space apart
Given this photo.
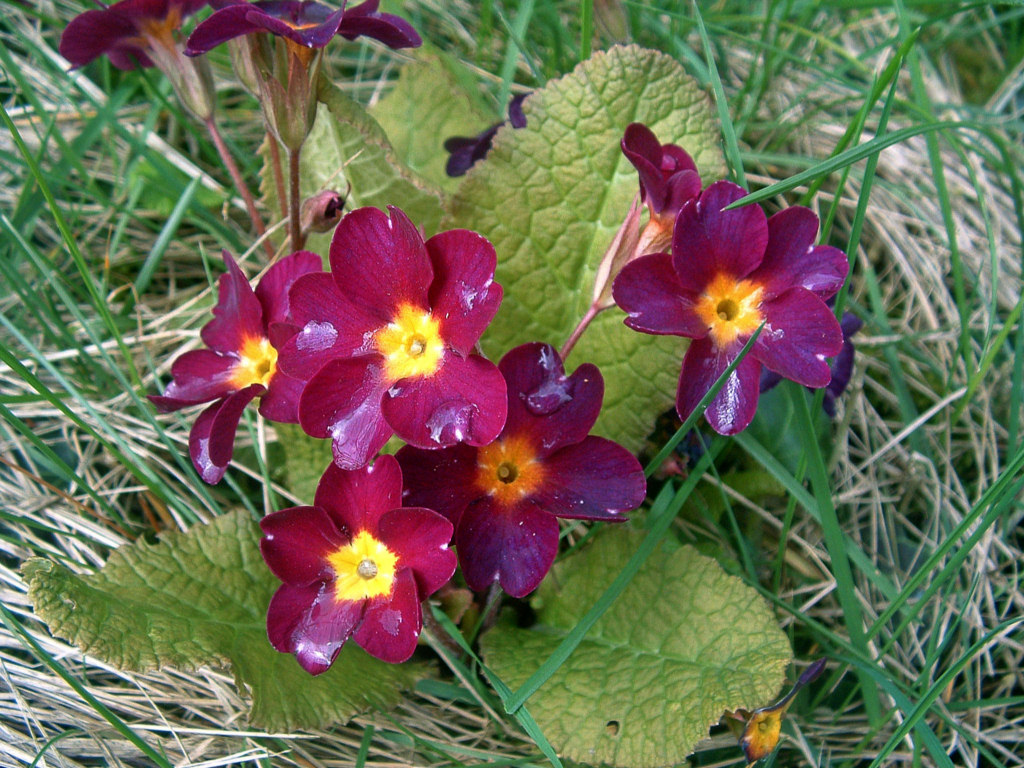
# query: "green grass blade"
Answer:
x=835 y=543
x=663 y=512
x=732 y=148
x=854 y=155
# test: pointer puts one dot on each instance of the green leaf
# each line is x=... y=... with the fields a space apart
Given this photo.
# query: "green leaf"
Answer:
x=430 y=103
x=347 y=146
x=551 y=196
x=200 y=598
x=305 y=460
x=684 y=643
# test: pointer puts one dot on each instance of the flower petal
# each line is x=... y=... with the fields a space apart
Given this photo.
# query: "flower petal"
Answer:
x=310 y=623
x=391 y=626
x=198 y=376
x=96 y=32
x=420 y=538
x=791 y=258
x=708 y=241
x=343 y=402
x=281 y=402
x=443 y=480
x=330 y=326
x=463 y=402
x=595 y=479
x=380 y=263
x=273 y=288
x=238 y=315
x=355 y=499
x=649 y=291
x=842 y=366
x=463 y=296
x=736 y=402
x=297 y=543
x=800 y=332
x=514 y=546
x=223 y=25
x=307 y=23
x=211 y=442
x=554 y=409
x=394 y=31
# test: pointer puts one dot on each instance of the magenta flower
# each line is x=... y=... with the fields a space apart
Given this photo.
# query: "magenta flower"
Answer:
x=304 y=22
x=126 y=31
x=729 y=272
x=504 y=497
x=668 y=175
x=240 y=363
x=387 y=339
x=356 y=564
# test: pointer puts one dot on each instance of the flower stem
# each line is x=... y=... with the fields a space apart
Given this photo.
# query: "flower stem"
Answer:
x=294 y=201
x=240 y=185
x=276 y=169
x=591 y=313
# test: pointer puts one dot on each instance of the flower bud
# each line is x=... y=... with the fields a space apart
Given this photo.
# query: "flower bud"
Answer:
x=322 y=211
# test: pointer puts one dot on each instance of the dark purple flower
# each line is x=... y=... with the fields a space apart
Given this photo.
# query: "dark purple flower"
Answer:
x=842 y=365
x=466 y=151
x=668 y=175
x=240 y=363
x=729 y=272
x=504 y=498
x=303 y=22
x=126 y=31
x=355 y=564
x=387 y=339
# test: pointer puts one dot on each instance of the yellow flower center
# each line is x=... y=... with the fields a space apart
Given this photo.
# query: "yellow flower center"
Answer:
x=508 y=469
x=363 y=568
x=257 y=363
x=731 y=308
x=411 y=344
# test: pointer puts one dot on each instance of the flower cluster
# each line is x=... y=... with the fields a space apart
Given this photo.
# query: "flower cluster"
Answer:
x=385 y=344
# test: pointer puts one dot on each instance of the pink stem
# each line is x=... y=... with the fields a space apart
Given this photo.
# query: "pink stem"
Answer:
x=294 y=201
x=591 y=313
x=243 y=190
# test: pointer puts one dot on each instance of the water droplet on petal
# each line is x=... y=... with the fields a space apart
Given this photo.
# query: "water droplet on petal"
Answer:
x=451 y=422
x=391 y=621
x=554 y=391
x=316 y=336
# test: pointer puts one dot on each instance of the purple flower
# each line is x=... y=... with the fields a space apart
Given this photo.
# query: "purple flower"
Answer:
x=467 y=151
x=668 y=175
x=240 y=363
x=126 y=31
x=504 y=498
x=303 y=22
x=355 y=564
x=729 y=272
x=386 y=339
x=842 y=365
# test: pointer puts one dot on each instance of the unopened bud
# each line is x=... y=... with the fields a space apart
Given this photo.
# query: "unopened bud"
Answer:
x=622 y=250
x=322 y=211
